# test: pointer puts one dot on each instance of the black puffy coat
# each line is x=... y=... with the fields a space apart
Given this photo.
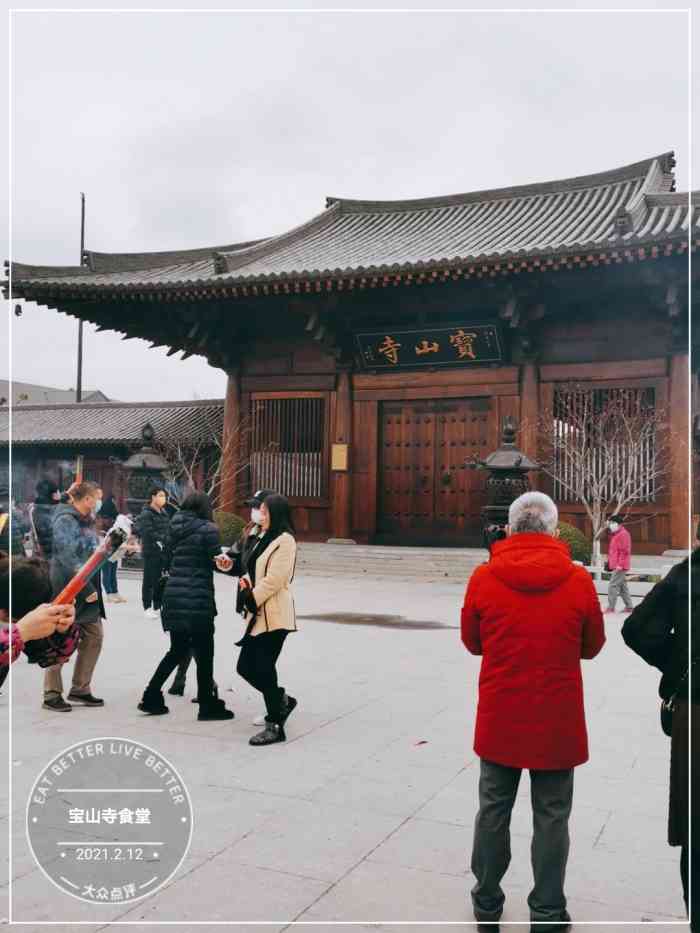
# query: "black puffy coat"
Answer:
x=43 y=512
x=657 y=630
x=152 y=527
x=188 y=598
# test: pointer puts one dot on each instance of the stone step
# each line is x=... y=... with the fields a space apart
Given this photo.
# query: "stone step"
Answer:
x=393 y=562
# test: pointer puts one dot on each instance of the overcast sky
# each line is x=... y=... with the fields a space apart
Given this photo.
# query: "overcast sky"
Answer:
x=196 y=129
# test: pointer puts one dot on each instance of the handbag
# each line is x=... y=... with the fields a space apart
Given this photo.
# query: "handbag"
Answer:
x=668 y=706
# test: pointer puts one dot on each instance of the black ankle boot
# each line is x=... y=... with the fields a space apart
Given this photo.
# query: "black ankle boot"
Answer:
x=273 y=732
x=177 y=690
x=152 y=702
x=214 y=708
x=287 y=707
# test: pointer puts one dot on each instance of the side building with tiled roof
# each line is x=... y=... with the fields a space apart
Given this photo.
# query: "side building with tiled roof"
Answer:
x=377 y=347
x=48 y=439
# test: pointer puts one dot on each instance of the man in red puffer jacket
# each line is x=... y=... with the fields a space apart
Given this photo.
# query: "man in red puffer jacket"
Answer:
x=532 y=614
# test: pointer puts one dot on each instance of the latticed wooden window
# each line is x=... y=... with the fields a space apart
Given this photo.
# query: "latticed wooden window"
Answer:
x=288 y=446
x=604 y=440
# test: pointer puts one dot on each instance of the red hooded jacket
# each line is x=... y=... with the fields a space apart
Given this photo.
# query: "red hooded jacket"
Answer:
x=533 y=614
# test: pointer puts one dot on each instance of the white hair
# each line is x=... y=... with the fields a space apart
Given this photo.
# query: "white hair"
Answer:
x=533 y=512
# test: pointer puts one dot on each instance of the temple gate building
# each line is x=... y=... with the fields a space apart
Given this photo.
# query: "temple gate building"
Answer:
x=374 y=350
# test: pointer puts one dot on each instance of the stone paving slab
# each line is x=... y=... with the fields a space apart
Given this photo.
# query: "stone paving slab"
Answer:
x=366 y=813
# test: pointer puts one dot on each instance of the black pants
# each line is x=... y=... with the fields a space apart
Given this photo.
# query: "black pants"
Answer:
x=150 y=591
x=256 y=664
x=200 y=643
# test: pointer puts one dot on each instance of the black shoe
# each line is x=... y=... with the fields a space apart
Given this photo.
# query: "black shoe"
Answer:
x=273 y=732
x=214 y=709
x=86 y=699
x=537 y=926
x=152 y=702
x=176 y=690
x=288 y=706
x=57 y=704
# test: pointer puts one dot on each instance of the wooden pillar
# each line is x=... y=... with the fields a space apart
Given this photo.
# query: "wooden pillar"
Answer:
x=529 y=408
x=341 y=488
x=228 y=493
x=679 y=396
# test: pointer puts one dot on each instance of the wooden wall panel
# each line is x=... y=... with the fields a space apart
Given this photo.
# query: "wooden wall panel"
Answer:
x=448 y=377
x=364 y=456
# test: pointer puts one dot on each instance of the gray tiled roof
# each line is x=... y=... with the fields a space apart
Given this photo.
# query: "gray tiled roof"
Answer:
x=112 y=423
x=626 y=207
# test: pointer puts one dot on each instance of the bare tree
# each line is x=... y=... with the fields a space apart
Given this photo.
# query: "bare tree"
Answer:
x=607 y=449
x=197 y=463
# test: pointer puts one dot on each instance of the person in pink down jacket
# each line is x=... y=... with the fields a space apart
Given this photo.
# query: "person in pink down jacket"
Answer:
x=47 y=634
x=619 y=562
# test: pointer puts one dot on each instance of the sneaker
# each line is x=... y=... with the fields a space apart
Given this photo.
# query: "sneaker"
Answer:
x=86 y=699
x=151 y=614
x=609 y=612
x=57 y=704
x=272 y=733
x=118 y=598
x=111 y=598
x=626 y=612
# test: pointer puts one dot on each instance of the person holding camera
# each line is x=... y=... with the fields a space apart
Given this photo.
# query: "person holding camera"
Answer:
x=532 y=615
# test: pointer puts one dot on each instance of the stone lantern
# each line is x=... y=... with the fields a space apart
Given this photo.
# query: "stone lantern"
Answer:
x=143 y=469
x=508 y=468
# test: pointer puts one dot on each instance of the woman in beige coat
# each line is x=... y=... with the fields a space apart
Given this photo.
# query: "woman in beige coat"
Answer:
x=269 y=614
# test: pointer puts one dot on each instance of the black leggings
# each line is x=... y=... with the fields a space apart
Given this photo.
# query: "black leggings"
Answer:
x=256 y=664
x=200 y=642
x=150 y=590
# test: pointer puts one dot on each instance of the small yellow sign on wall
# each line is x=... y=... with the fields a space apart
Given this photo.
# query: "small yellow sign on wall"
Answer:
x=339 y=457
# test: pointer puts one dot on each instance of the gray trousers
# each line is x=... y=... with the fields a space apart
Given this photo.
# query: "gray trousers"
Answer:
x=618 y=587
x=89 y=648
x=552 y=795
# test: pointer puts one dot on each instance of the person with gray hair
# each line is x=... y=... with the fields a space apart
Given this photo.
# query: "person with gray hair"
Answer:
x=532 y=615
x=533 y=512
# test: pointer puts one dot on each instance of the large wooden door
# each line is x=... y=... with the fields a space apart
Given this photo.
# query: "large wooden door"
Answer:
x=428 y=493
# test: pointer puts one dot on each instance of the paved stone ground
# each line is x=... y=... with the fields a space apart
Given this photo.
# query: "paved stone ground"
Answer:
x=353 y=819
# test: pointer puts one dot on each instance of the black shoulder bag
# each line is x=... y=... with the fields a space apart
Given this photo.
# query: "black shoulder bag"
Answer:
x=668 y=706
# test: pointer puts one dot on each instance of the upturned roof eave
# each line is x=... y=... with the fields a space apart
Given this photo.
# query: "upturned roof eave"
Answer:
x=597 y=247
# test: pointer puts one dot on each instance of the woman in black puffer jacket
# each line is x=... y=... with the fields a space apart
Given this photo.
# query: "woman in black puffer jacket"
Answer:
x=189 y=606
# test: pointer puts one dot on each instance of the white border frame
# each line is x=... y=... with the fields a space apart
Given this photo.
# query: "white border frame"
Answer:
x=396 y=11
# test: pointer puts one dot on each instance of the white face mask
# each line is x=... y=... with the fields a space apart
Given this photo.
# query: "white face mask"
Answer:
x=613 y=526
x=98 y=505
x=256 y=516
